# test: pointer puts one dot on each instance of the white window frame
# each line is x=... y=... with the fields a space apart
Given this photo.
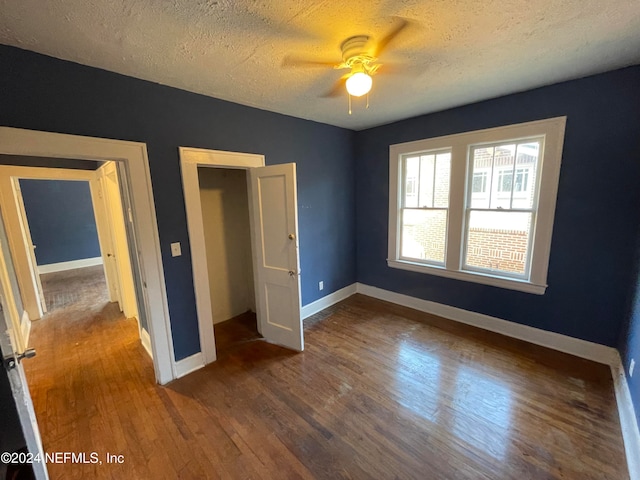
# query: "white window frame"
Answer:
x=415 y=185
x=552 y=130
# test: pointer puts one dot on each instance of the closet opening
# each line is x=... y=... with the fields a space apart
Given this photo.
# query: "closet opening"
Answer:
x=227 y=236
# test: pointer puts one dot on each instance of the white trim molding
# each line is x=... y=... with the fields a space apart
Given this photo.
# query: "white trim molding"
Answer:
x=328 y=300
x=16 y=141
x=628 y=420
x=469 y=276
x=548 y=133
x=145 y=339
x=70 y=265
x=189 y=365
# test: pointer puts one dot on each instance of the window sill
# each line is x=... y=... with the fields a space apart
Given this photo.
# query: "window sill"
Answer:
x=501 y=282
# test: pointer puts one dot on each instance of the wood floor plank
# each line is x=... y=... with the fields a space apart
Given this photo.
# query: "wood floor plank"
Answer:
x=381 y=392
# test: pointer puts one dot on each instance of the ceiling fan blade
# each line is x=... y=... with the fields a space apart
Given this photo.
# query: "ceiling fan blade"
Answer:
x=339 y=88
x=394 y=68
x=401 y=24
x=290 y=61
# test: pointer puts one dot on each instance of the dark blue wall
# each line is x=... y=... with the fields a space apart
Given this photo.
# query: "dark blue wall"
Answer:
x=629 y=345
x=596 y=216
x=67 y=163
x=42 y=93
x=61 y=221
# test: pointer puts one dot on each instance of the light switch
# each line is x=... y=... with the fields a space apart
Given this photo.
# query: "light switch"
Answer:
x=176 y=251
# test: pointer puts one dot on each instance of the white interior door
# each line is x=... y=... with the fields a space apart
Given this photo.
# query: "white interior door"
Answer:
x=9 y=304
x=120 y=255
x=111 y=243
x=274 y=217
x=123 y=257
x=104 y=238
x=11 y=354
x=26 y=234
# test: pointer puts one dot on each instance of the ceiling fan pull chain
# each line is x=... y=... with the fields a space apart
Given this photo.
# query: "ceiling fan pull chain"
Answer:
x=349 y=103
x=367 y=99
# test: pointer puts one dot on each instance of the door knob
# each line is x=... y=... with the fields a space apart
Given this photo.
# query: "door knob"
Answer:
x=291 y=273
x=12 y=360
x=292 y=236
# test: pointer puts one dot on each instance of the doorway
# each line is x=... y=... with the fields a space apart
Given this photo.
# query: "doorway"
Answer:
x=273 y=231
x=227 y=235
x=77 y=219
x=132 y=161
x=60 y=228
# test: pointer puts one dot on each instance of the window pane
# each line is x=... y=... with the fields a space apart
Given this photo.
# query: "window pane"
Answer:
x=505 y=181
x=427 y=167
x=411 y=172
x=503 y=161
x=524 y=183
x=443 y=173
x=424 y=233
x=479 y=183
x=481 y=176
x=511 y=175
x=498 y=241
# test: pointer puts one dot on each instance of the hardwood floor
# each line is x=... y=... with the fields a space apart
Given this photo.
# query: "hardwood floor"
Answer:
x=78 y=290
x=381 y=392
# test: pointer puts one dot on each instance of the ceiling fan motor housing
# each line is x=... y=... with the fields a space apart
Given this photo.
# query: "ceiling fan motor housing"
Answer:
x=354 y=47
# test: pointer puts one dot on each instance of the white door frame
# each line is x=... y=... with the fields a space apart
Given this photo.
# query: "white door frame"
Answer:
x=190 y=160
x=15 y=141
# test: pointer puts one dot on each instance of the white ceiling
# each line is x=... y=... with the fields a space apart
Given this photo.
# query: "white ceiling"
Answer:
x=460 y=51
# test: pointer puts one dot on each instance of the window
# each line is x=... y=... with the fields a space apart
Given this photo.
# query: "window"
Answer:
x=425 y=202
x=477 y=206
x=479 y=182
x=522 y=179
x=505 y=180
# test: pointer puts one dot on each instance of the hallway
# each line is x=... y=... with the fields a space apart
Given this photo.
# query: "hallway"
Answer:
x=87 y=353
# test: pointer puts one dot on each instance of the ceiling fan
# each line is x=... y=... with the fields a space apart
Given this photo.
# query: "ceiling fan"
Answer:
x=360 y=55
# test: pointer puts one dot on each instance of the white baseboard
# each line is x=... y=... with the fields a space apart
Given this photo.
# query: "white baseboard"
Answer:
x=556 y=341
x=62 y=266
x=328 y=300
x=189 y=364
x=146 y=341
x=628 y=421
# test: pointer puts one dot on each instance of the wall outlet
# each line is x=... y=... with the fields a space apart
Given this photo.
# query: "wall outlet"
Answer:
x=632 y=365
x=320 y=285
x=176 y=251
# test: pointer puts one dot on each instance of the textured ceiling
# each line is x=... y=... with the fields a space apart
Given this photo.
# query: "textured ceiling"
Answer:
x=459 y=51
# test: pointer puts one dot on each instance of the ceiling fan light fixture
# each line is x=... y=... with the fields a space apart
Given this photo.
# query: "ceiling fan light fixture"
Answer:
x=359 y=84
